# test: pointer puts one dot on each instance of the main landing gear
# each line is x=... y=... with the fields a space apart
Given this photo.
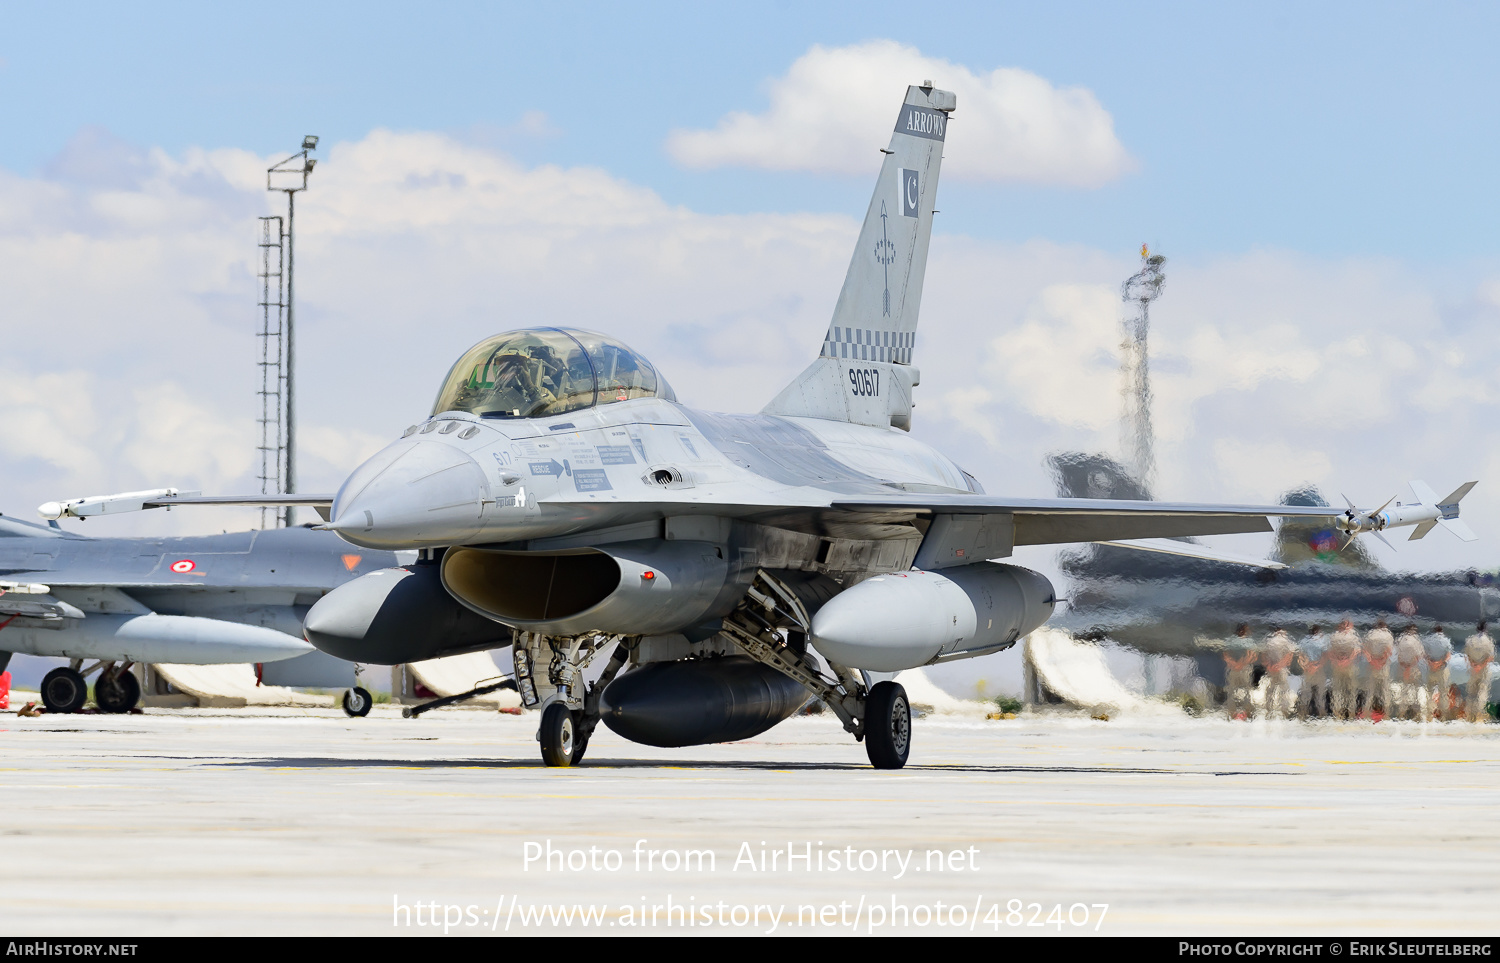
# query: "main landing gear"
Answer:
x=66 y=689
x=771 y=625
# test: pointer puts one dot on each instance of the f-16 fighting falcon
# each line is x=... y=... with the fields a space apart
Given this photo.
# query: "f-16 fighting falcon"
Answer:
x=200 y=600
x=735 y=563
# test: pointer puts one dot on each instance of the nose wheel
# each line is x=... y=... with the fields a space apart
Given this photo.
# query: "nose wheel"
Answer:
x=887 y=726
x=558 y=735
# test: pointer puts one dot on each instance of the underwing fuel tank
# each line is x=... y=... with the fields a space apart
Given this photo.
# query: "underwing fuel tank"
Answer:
x=397 y=615
x=906 y=619
x=645 y=587
x=158 y=638
x=698 y=701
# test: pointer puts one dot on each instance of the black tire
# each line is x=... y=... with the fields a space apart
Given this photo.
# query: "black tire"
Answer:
x=63 y=690
x=357 y=702
x=887 y=726
x=580 y=742
x=117 y=694
x=557 y=735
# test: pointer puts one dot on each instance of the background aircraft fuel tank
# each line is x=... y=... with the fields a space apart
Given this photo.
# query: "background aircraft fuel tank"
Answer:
x=397 y=615
x=906 y=619
x=698 y=701
x=157 y=638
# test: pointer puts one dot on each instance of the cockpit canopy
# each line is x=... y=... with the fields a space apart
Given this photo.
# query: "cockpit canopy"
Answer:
x=547 y=371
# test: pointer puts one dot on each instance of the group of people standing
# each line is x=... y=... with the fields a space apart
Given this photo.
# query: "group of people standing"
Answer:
x=1347 y=675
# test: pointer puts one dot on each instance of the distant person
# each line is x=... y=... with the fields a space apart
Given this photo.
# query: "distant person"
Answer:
x=1343 y=658
x=1276 y=656
x=1480 y=651
x=1380 y=645
x=1437 y=649
x=1312 y=656
x=1410 y=694
x=1239 y=673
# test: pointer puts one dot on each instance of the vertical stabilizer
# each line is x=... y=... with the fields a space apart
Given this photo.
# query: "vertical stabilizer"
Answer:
x=863 y=374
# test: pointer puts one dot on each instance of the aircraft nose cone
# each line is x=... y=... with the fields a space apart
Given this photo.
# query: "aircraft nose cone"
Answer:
x=414 y=494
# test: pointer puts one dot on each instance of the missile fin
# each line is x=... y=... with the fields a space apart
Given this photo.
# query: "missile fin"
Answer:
x=1421 y=529
x=1458 y=528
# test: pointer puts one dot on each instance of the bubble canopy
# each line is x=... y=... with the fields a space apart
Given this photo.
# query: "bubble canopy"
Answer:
x=538 y=372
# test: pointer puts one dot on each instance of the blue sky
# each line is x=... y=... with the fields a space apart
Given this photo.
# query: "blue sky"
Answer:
x=1319 y=177
x=1331 y=129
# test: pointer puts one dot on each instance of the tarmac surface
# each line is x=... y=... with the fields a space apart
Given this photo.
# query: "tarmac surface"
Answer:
x=304 y=822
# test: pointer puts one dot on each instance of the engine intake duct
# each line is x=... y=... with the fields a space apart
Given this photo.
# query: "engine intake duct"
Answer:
x=699 y=701
x=645 y=587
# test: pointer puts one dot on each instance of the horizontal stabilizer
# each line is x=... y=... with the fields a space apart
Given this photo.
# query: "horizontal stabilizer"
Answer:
x=1167 y=546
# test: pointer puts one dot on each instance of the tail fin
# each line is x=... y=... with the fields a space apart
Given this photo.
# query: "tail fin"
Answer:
x=864 y=374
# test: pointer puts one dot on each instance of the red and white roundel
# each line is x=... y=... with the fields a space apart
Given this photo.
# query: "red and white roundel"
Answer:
x=183 y=565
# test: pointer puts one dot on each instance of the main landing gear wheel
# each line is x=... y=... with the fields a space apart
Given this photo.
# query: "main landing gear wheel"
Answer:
x=357 y=702
x=557 y=735
x=63 y=690
x=887 y=726
x=117 y=693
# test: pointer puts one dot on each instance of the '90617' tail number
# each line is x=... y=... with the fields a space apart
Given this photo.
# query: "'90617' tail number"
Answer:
x=865 y=381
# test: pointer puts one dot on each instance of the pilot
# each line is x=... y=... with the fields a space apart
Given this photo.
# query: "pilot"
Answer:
x=1240 y=657
x=1480 y=651
x=1343 y=656
x=1277 y=658
x=1380 y=645
x=1313 y=697
x=1409 y=689
x=1437 y=649
x=515 y=389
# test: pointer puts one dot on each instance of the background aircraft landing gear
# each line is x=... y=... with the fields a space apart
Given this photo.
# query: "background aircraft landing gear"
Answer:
x=557 y=735
x=116 y=691
x=887 y=726
x=357 y=702
x=63 y=690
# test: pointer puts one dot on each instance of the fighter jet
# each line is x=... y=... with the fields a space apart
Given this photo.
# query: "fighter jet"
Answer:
x=1180 y=604
x=233 y=598
x=735 y=562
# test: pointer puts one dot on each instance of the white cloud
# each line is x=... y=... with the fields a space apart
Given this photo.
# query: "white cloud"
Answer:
x=835 y=105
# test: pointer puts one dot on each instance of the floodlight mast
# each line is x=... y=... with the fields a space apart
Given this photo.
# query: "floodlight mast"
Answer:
x=1137 y=437
x=290 y=176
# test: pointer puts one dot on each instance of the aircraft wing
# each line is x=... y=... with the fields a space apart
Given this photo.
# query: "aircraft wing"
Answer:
x=967 y=527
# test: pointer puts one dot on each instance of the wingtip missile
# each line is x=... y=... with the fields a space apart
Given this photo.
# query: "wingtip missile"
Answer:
x=1428 y=511
x=107 y=504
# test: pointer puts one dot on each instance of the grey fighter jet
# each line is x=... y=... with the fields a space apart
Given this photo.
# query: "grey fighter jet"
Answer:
x=1169 y=604
x=232 y=598
x=735 y=562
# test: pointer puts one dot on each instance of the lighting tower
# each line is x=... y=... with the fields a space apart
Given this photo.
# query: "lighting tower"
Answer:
x=1137 y=440
x=278 y=421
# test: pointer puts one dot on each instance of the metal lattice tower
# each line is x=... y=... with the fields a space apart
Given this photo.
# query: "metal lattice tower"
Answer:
x=278 y=446
x=1137 y=439
x=272 y=392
